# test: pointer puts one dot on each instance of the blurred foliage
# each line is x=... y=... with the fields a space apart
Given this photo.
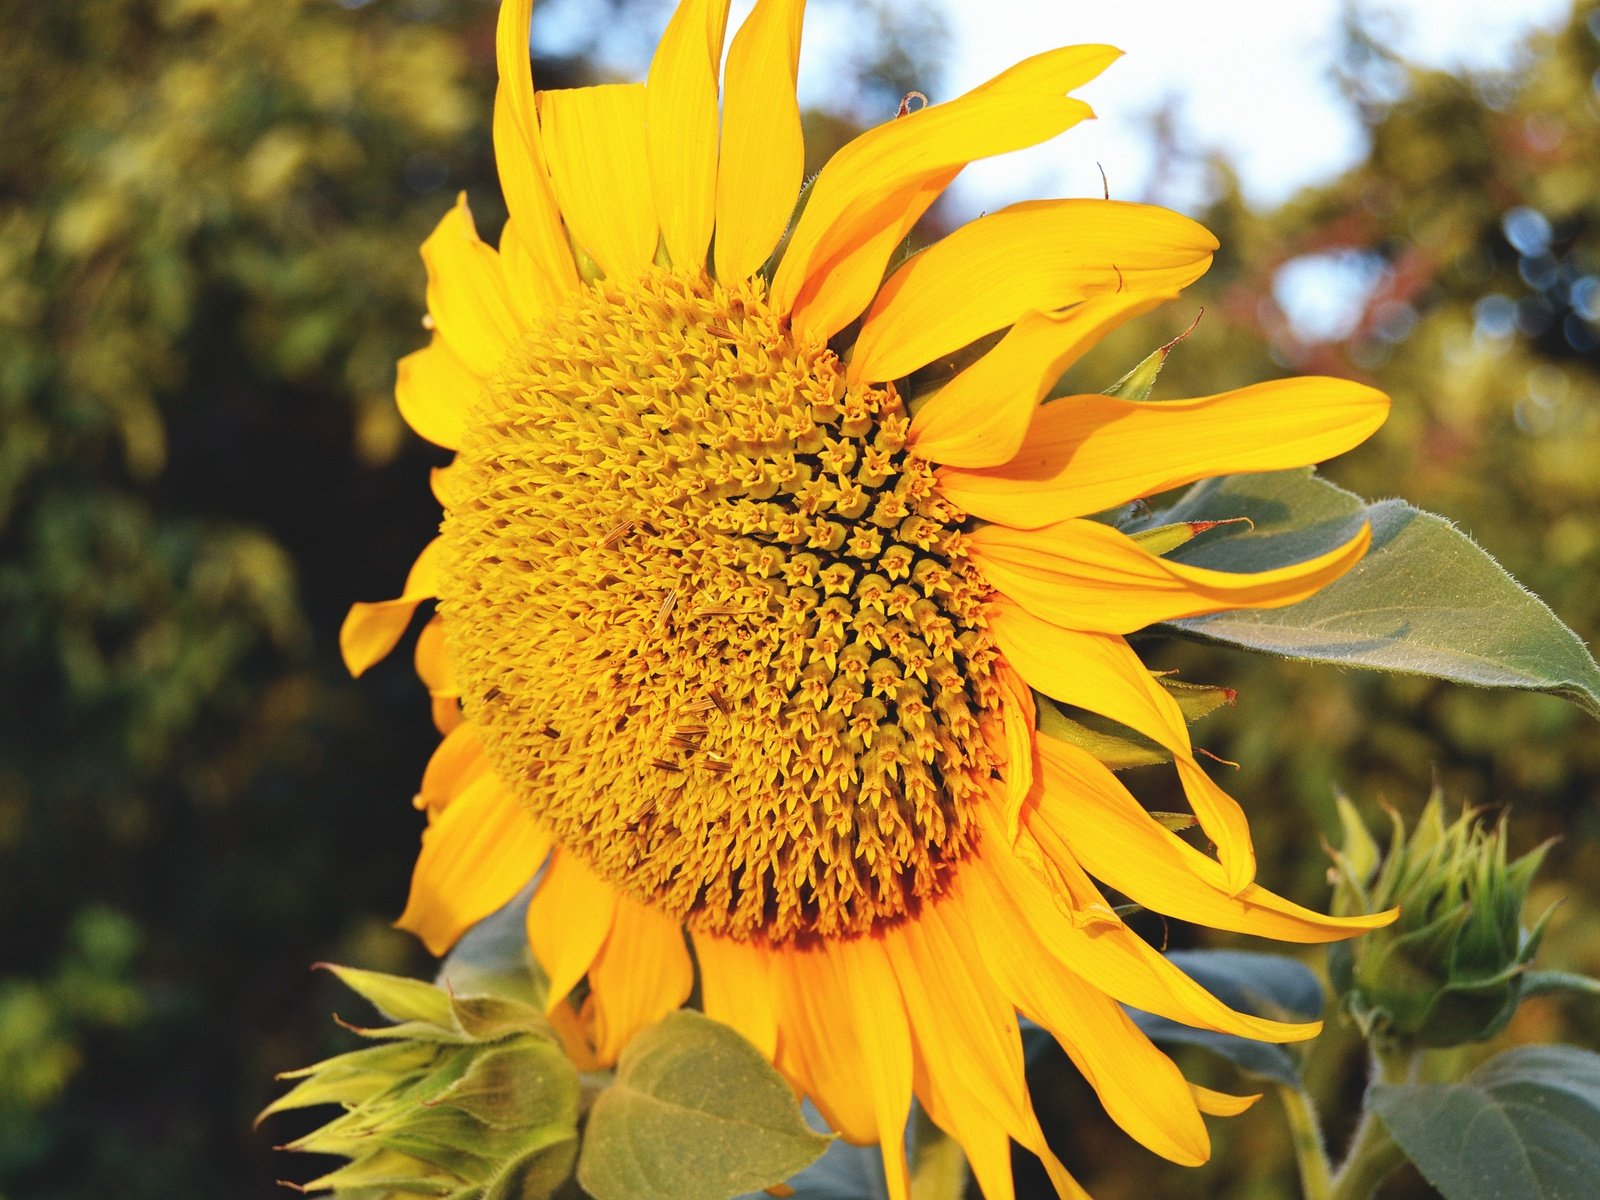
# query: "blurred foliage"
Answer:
x=1470 y=241
x=209 y=214
x=209 y=219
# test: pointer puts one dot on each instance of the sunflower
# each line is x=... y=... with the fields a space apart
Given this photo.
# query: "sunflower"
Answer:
x=742 y=634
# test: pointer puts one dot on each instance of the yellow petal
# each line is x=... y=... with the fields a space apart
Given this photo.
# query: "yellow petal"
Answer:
x=446 y=485
x=763 y=151
x=370 y=630
x=1083 y=811
x=457 y=763
x=595 y=140
x=869 y=195
x=1221 y=1104
x=433 y=390
x=476 y=855
x=845 y=1038
x=641 y=974
x=1005 y=894
x=980 y=417
x=1083 y=454
x=467 y=294
x=568 y=920
x=1141 y=1088
x=1101 y=672
x=968 y=1048
x=681 y=127
x=438 y=675
x=1040 y=255
x=534 y=242
x=872 y=1000
x=736 y=988
x=841 y=287
x=1085 y=575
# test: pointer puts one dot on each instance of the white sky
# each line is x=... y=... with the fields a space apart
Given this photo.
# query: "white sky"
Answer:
x=1251 y=77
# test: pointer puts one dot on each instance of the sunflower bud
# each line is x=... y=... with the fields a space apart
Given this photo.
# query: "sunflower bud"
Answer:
x=1451 y=969
x=463 y=1096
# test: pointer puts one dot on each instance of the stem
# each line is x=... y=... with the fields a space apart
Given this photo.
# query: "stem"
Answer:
x=1316 y=1177
x=1373 y=1154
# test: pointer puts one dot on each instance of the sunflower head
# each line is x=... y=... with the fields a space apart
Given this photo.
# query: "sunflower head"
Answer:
x=698 y=591
x=745 y=619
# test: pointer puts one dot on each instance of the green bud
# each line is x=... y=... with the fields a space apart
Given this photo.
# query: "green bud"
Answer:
x=466 y=1097
x=1452 y=968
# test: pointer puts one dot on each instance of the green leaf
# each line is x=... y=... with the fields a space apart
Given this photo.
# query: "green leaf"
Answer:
x=351 y=1078
x=1117 y=747
x=536 y=1174
x=1138 y=383
x=396 y=997
x=1426 y=600
x=527 y=1085
x=1196 y=700
x=844 y=1172
x=382 y=1169
x=695 y=1114
x=1524 y=1126
x=1266 y=985
x=492 y=1019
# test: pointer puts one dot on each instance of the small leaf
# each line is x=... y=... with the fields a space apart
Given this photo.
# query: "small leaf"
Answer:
x=1265 y=985
x=1138 y=383
x=1524 y=1126
x=1164 y=539
x=1113 y=745
x=382 y=1169
x=844 y=1172
x=536 y=1174
x=695 y=1114
x=492 y=1018
x=396 y=997
x=527 y=1085
x=1196 y=700
x=1426 y=599
x=1177 y=822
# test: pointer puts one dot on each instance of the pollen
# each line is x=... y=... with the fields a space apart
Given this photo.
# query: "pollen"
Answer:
x=713 y=619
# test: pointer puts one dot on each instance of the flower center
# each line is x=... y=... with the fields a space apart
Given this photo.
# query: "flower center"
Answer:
x=714 y=622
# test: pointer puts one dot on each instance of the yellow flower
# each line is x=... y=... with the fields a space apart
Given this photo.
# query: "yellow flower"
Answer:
x=743 y=653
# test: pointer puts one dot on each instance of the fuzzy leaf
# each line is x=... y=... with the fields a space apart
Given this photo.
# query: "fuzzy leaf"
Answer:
x=396 y=997
x=386 y=1169
x=1138 y=383
x=695 y=1114
x=1196 y=700
x=527 y=1085
x=1426 y=600
x=492 y=1019
x=536 y=1174
x=1524 y=1126
x=1113 y=745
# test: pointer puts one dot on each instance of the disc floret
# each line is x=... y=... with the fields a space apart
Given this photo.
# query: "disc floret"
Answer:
x=712 y=618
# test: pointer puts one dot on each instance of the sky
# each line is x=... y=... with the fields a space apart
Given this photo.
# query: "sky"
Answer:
x=1249 y=77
